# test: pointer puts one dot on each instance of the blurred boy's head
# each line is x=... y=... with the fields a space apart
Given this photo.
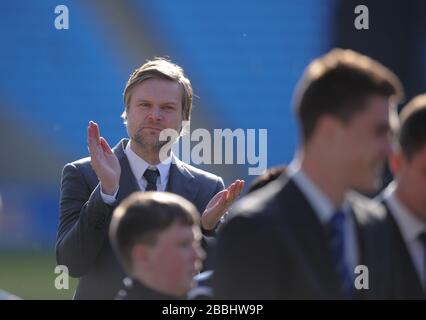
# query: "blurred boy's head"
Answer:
x=156 y=236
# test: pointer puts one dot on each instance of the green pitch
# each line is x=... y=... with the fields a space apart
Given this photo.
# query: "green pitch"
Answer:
x=32 y=276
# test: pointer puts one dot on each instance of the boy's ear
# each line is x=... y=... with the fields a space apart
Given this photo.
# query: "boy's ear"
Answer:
x=140 y=255
x=396 y=160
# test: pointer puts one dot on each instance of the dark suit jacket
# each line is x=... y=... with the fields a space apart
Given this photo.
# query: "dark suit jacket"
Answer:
x=136 y=290
x=274 y=247
x=404 y=282
x=82 y=239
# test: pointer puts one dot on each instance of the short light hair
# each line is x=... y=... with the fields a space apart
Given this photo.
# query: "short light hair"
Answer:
x=142 y=216
x=411 y=134
x=337 y=84
x=160 y=68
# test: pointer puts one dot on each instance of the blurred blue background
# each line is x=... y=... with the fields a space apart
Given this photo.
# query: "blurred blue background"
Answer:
x=243 y=58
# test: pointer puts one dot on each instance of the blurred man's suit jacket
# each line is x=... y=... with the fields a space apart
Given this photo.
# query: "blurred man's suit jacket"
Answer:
x=274 y=247
x=404 y=281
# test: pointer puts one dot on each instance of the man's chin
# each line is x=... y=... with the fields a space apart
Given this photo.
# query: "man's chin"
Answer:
x=369 y=187
x=149 y=142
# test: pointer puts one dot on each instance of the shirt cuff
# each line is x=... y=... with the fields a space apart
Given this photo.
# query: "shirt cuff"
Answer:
x=109 y=200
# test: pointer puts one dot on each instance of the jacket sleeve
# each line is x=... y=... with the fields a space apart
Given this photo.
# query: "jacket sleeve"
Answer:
x=83 y=222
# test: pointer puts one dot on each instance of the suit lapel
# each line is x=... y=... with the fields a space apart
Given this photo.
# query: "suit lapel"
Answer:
x=311 y=235
x=128 y=183
x=367 y=253
x=181 y=181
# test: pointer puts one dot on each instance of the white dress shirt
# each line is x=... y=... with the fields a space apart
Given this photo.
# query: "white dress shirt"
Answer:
x=138 y=167
x=410 y=227
x=324 y=209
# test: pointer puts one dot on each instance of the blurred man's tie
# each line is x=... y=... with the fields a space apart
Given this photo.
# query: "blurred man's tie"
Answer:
x=337 y=249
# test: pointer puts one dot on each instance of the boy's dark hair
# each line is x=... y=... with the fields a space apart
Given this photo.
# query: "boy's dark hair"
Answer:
x=142 y=216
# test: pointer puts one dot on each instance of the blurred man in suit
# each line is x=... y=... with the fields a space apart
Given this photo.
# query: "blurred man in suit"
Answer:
x=302 y=236
x=157 y=239
x=157 y=98
x=405 y=200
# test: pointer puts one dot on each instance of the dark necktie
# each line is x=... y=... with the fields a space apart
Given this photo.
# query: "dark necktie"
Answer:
x=337 y=249
x=422 y=238
x=151 y=177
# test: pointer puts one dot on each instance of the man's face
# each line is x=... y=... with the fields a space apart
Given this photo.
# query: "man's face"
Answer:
x=176 y=257
x=365 y=144
x=155 y=105
x=411 y=176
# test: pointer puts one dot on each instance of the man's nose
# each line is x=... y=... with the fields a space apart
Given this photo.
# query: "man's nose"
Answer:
x=155 y=113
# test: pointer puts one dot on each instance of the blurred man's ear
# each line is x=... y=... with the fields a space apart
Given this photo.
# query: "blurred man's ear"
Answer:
x=331 y=127
x=396 y=160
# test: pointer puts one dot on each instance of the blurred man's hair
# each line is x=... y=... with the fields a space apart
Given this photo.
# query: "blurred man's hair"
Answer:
x=141 y=217
x=338 y=84
x=268 y=176
x=160 y=68
x=411 y=134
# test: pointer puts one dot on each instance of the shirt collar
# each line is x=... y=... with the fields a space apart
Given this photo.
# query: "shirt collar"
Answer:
x=139 y=165
x=318 y=200
x=409 y=224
